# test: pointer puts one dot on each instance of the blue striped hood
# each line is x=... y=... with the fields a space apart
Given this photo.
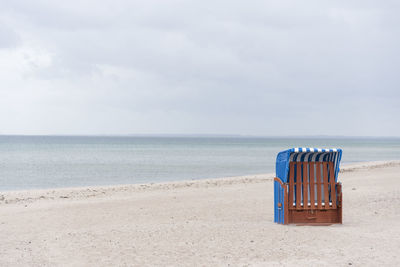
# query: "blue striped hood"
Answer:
x=303 y=154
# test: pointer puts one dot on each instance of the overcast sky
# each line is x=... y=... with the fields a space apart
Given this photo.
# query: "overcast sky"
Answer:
x=200 y=67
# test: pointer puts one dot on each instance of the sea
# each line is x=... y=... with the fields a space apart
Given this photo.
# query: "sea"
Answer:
x=39 y=162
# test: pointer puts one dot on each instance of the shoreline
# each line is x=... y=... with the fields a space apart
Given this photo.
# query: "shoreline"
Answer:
x=33 y=195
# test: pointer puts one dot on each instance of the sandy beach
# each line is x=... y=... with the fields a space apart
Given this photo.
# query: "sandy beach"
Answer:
x=214 y=222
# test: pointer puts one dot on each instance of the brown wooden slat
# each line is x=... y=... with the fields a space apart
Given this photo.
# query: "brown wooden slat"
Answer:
x=286 y=210
x=305 y=185
x=339 y=201
x=312 y=186
x=298 y=186
x=319 y=197
x=326 y=184
x=333 y=187
x=291 y=185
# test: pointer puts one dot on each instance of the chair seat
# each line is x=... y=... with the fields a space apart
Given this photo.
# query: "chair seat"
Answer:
x=316 y=204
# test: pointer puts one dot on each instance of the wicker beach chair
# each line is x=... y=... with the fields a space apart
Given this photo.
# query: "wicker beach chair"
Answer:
x=306 y=190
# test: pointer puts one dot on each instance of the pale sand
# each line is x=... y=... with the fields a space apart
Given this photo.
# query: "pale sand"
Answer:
x=215 y=222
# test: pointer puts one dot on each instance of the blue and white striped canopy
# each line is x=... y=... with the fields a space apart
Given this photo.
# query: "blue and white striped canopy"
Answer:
x=303 y=154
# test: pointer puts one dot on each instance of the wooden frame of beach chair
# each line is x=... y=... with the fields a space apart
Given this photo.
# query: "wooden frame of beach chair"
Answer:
x=310 y=194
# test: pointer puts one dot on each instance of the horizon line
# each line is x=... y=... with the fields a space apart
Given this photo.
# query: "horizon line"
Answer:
x=202 y=135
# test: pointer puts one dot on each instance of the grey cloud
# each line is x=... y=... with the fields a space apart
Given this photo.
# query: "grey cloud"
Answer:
x=8 y=37
x=232 y=67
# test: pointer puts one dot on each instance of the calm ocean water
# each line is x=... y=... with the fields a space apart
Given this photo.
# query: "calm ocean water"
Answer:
x=28 y=162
